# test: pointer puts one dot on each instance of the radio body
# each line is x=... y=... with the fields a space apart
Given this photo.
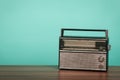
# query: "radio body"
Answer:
x=83 y=53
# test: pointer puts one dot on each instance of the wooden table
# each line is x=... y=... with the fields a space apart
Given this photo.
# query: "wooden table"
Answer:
x=52 y=73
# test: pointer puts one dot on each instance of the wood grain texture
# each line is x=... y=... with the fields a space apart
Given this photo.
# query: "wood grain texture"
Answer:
x=53 y=73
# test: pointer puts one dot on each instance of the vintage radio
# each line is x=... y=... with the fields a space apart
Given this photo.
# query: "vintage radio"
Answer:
x=83 y=53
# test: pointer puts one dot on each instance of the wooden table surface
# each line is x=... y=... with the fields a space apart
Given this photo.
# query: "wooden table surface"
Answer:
x=53 y=73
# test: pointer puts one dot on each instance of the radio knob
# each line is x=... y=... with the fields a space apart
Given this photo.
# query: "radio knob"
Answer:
x=100 y=66
x=101 y=59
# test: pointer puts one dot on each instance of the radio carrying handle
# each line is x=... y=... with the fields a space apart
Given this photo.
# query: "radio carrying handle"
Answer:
x=95 y=30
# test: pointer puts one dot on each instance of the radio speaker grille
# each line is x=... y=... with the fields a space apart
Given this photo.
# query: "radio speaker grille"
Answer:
x=87 y=61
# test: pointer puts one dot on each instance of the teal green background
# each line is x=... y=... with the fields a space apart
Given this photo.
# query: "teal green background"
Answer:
x=30 y=29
